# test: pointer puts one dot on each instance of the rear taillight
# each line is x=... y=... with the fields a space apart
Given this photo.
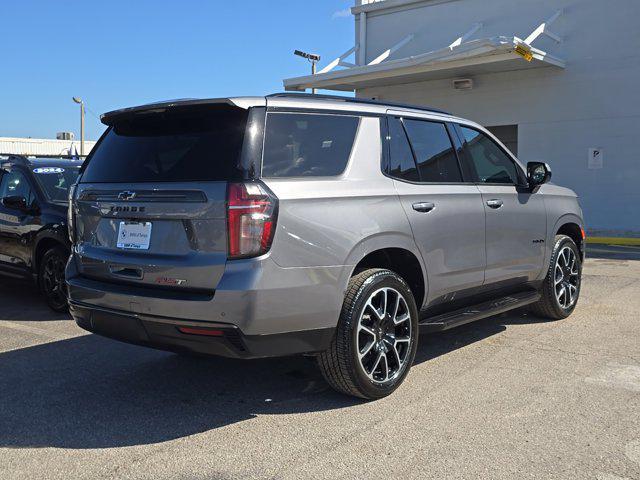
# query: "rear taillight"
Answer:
x=251 y=219
x=70 y=214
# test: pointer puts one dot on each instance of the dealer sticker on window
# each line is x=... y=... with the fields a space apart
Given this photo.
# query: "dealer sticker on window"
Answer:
x=134 y=235
x=48 y=170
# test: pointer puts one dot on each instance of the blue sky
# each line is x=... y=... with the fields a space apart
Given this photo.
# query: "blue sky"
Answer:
x=122 y=53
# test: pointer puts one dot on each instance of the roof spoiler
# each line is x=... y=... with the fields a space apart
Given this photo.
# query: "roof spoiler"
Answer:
x=114 y=116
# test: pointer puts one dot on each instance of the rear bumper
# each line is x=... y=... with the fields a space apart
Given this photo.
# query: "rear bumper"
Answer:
x=163 y=333
x=256 y=296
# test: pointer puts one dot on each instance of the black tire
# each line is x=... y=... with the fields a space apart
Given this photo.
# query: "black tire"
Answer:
x=340 y=364
x=51 y=278
x=550 y=306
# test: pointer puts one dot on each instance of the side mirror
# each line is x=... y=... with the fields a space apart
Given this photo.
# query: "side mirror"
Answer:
x=538 y=173
x=15 y=201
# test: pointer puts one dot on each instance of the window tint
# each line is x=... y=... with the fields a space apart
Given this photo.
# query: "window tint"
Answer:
x=56 y=181
x=15 y=184
x=307 y=145
x=490 y=162
x=188 y=144
x=435 y=156
x=401 y=163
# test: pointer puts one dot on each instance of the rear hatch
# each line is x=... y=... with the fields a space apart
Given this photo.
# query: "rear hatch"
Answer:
x=150 y=208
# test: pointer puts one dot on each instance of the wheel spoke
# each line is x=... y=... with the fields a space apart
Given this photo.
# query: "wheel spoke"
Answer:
x=364 y=328
x=572 y=291
x=558 y=276
x=376 y=363
x=561 y=294
x=395 y=310
x=397 y=354
x=386 y=368
x=367 y=348
x=383 y=309
x=375 y=310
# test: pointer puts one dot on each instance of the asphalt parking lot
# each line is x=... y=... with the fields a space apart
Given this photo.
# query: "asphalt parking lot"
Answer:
x=512 y=396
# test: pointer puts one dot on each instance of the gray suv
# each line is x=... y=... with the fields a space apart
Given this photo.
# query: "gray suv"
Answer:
x=292 y=224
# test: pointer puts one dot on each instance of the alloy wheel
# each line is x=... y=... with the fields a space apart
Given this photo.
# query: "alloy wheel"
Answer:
x=384 y=336
x=566 y=278
x=53 y=284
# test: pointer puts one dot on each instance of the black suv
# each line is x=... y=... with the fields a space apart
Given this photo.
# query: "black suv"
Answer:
x=34 y=242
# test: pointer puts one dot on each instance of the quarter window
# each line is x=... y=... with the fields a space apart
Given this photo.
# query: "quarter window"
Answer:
x=491 y=163
x=401 y=163
x=307 y=145
x=434 y=153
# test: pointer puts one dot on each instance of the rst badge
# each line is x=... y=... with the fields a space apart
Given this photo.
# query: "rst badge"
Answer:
x=170 y=281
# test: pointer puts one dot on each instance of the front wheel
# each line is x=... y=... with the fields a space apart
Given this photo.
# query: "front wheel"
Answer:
x=51 y=278
x=561 y=286
x=376 y=338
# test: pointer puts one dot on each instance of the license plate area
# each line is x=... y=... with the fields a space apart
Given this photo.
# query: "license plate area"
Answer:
x=134 y=235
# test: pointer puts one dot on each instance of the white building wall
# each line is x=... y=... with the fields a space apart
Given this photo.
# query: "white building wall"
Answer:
x=42 y=146
x=593 y=103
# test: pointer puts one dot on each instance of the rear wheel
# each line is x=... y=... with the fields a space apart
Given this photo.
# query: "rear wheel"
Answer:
x=376 y=338
x=561 y=287
x=51 y=278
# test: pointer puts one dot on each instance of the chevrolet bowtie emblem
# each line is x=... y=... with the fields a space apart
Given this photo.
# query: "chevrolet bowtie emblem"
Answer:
x=126 y=195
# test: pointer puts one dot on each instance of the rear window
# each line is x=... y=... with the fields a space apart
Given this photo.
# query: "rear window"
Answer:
x=307 y=145
x=184 y=145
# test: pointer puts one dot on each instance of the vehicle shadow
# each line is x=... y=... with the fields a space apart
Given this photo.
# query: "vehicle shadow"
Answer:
x=92 y=392
x=433 y=345
x=21 y=301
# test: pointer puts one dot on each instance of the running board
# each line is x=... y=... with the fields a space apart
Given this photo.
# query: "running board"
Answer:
x=479 y=311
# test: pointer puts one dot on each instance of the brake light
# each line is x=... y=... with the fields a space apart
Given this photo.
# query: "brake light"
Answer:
x=251 y=219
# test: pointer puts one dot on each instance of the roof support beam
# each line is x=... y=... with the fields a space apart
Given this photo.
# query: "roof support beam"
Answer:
x=474 y=28
x=384 y=55
x=542 y=29
x=340 y=60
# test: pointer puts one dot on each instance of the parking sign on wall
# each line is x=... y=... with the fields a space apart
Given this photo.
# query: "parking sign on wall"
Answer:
x=596 y=157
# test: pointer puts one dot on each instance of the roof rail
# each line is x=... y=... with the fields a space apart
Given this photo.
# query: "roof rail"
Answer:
x=364 y=101
x=15 y=158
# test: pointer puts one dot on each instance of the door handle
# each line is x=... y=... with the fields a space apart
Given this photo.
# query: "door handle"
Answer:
x=495 y=203
x=423 y=207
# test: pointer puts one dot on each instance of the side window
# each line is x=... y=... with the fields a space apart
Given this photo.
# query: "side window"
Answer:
x=307 y=145
x=15 y=184
x=490 y=162
x=435 y=155
x=401 y=162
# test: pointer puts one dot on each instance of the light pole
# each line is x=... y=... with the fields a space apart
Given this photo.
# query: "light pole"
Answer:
x=79 y=101
x=311 y=57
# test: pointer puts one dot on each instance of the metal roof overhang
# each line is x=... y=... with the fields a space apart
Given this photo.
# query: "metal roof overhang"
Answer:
x=487 y=55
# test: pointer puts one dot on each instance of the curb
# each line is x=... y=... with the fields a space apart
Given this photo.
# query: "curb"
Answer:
x=615 y=241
